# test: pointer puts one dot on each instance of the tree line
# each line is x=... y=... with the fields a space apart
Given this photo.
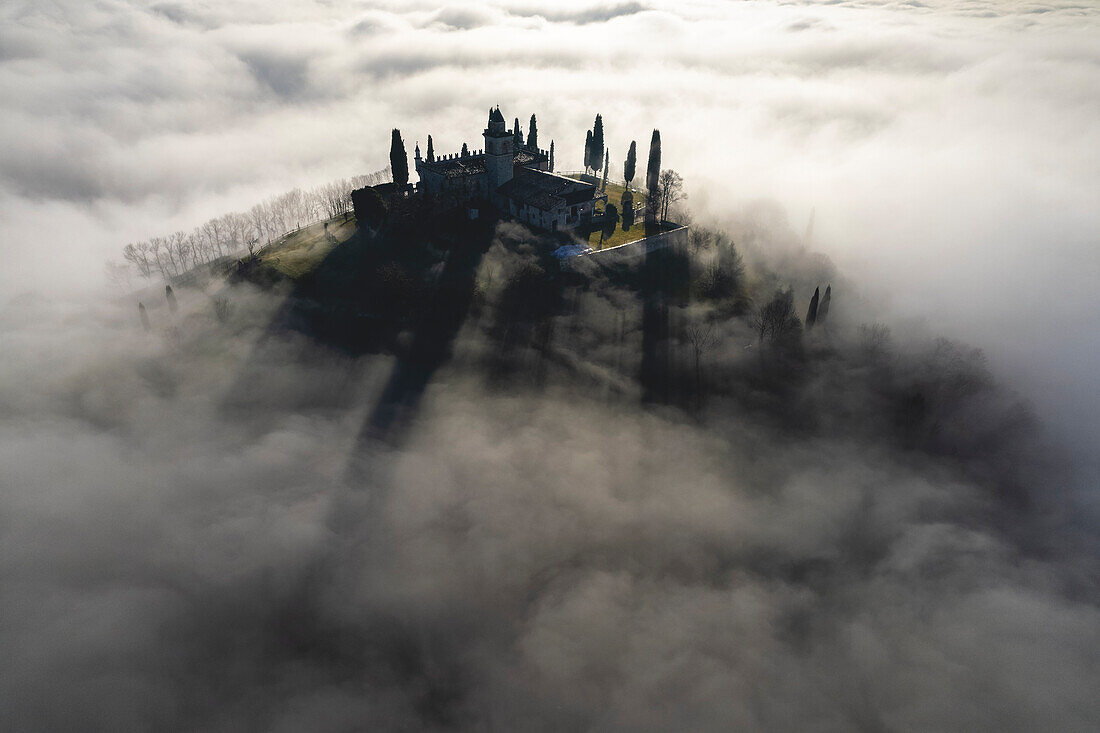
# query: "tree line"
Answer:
x=663 y=187
x=174 y=254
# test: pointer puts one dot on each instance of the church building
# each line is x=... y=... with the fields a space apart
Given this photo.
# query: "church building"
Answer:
x=516 y=179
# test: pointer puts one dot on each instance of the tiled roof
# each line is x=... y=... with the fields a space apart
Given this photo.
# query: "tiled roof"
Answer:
x=546 y=191
x=526 y=157
x=472 y=165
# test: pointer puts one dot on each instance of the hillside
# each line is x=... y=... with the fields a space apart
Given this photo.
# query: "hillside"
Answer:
x=299 y=252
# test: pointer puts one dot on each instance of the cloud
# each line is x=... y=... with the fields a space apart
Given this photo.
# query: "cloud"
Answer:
x=950 y=164
x=462 y=18
x=539 y=557
x=287 y=76
x=579 y=15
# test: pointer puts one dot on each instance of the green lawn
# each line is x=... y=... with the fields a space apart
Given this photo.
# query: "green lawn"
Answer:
x=620 y=236
x=300 y=252
x=615 y=196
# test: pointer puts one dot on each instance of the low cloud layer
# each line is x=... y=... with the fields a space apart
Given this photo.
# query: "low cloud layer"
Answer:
x=197 y=536
x=171 y=564
x=949 y=150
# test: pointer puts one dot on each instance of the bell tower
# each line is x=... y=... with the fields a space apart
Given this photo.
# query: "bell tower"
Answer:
x=499 y=154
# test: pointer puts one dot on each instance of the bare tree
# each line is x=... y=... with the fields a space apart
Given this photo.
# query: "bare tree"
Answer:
x=257 y=220
x=670 y=189
x=231 y=232
x=236 y=227
x=156 y=246
x=138 y=256
x=777 y=318
x=701 y=338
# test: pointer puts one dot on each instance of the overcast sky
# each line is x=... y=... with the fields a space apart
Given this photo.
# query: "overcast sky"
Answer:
x=950 y=149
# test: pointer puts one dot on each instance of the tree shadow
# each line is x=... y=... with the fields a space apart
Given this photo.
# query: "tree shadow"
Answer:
x=664 y=283
x=403 y=291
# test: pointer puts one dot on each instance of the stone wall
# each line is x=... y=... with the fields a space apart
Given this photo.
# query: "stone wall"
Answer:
x=629 y=251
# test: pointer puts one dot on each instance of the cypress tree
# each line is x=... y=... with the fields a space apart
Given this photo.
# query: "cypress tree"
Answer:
x=653 y=172
x=465 y=150
x=551 y=156
x=588 y=151
x=631 y=163
x=517 y=134
x=627 y=205
x=144 y=316
x=399 y=160
x=823 y=309
x=606 y=167
x=171 y=298
x=533 y=134
x=431 y=150
x=597 y=143
x=652 y=177
x=610 y=219
x=811 y=314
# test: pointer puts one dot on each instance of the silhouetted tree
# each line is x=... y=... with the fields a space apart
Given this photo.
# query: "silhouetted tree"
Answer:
x=700 y=337
x=399 y=160
x=610 y=220
x=597 y=144
x=631 y=163
x=627 y=202
x=431 y=150
x=144 y=316
x=517 y=134
x=171 y=298
x=670 y=190
x=533 y=134
x=823 y=309
x=465 y=150
x=588 y=151
x=606 y=167
x=551 y=156
x=652 y=176
x=777 y=319
x=138 y=254
x=370 y=208
x=811 y=314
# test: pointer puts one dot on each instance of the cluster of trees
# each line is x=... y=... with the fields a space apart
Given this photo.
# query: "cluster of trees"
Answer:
x=818 y=311
x=663 y=187
x=594 y=153
x=777 y=318
x=176 y=253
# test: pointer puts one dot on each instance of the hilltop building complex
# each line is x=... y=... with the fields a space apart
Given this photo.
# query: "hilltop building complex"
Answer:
x=516 y=179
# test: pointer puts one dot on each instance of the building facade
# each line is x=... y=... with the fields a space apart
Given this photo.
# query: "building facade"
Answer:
x=514 y=179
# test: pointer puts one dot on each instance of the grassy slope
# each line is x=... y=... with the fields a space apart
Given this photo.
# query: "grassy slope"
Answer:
x=614 y=196
x=298 y=253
